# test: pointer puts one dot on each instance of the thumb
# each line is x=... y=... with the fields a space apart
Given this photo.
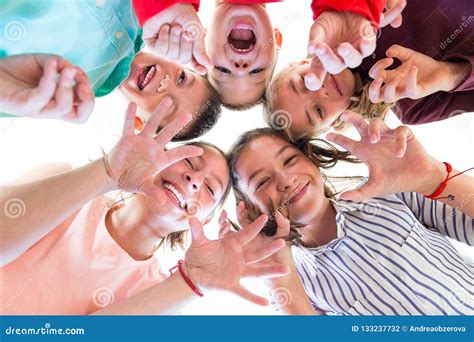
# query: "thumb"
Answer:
x=197 y=232
x=317 y=35
x=368 y=190
x=400 y=52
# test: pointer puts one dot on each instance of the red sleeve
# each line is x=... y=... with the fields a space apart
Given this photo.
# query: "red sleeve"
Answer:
x=145 y=9
x=371 y=9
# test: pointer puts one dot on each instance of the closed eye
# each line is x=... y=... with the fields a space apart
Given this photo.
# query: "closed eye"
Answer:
x=223 y=70
x=262 y=183
x=256 y=71
x=318 y=111
x=209 y=188
x=190 y=163
x=290 y=159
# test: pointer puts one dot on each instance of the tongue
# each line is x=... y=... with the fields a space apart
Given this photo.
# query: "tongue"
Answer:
x=241 y=39
x=241 y=34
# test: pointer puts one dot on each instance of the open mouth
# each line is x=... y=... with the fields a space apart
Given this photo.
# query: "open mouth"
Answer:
x=242 y=39
x=145 y=76
x=176 y=196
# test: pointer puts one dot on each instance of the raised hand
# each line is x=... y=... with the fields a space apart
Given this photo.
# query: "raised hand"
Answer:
x=45 y=87
x=136 y=158
x=417 y=76
x=339 y=40
x=221 y=264
x=177 y=34
x=409 y=169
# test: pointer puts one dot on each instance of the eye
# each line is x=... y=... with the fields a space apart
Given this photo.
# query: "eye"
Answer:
x=318 y=111
x=182 y=78
x=262 y=183
x=190 y=163
x=223 y=70
x=209 y=188
x=290 y=159
x=256 y=71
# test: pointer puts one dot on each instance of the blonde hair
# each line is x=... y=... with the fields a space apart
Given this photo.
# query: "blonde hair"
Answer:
x=360 y=101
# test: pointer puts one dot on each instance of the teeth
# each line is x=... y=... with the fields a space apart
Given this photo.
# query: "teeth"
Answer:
x=148 y=77
x=176 y=193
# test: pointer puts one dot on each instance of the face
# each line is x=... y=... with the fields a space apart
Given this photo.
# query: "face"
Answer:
x=271 y=170
x=193 y=187
x=153 y=78
x=313 y=112
x=242 y=46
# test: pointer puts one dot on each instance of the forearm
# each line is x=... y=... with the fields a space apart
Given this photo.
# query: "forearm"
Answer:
x=44 y=204
x=166 y=298
x=459 y=190
x=455 y=75
x=289 y=287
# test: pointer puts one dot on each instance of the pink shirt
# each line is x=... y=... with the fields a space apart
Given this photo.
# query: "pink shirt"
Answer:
x=76 y=269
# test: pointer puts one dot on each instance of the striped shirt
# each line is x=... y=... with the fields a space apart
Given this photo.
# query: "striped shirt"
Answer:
x=391 y=257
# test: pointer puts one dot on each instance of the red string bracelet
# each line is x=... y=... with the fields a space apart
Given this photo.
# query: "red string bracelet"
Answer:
x=439 y=190
x=186 y=279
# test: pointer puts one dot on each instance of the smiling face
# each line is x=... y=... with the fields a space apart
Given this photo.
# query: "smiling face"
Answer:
x=313 y=112
x=152 y=78
x=271 y=170
x=242 y=46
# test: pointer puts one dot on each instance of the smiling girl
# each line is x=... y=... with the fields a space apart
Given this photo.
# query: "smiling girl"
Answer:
x=387 y=255
x=73 y=252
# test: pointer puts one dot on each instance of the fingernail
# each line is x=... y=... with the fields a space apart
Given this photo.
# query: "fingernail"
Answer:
x=167 y=101
x=320 y=49
x=373 y=138
x=400 y=153
x=344 y=51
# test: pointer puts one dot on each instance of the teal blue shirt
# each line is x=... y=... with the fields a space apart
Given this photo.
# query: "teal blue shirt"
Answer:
x=100 y=36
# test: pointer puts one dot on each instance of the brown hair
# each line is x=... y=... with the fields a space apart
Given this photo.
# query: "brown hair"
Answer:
x=360 y=101
x=320 y=152
x=178 y=239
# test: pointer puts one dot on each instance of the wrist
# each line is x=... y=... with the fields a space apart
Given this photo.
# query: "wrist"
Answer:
x=434 y=177
x=192 y=273
x=111 y=184
x=454 y=75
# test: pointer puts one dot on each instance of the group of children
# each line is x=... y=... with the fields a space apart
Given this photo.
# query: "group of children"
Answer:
x=76 y=252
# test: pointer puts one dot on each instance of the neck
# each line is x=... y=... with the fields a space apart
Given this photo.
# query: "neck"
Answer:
x=322 y=228
x=133 y=231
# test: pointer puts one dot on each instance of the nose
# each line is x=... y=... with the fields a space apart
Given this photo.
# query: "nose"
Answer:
x=240 y=67
x=193 y=181
x=164 y=84
x=285 y=181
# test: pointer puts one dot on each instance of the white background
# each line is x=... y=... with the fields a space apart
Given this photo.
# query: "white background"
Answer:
x=25 y=143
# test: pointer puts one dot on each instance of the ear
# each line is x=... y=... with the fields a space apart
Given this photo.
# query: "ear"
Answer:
x=278 y=38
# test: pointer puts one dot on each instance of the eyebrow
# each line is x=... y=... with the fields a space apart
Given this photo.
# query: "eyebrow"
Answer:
x=280 y=151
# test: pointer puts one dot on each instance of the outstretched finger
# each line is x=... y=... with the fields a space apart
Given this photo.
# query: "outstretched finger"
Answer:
x=352 y=58
x=265 y=271
x=315 y=78
x=162 y=42
x=411 y=83
x=378 y=69
x=128 y=125
x=402 y=135
x=375 y=89
x=249 y=232
x=393 y=15
x=260 y=253
x=182 y=152
x=197 y=231
x=151 y=126
x=199 y=52
x=168 y=132
x=331 y=62
x=357 y=120
x=242 y=214
x=242 y=292
x=390 y=90
x=375 y=126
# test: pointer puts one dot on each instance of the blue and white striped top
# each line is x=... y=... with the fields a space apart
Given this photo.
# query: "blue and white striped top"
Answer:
x=391 y=257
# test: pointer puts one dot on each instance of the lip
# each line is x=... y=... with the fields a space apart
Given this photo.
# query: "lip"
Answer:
x=336 y=85
x=145 y=76
x=298 y=194
x=179 y=204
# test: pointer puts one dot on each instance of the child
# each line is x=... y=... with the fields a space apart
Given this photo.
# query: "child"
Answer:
x=103 y=39
x=72 y=252
x=442 y=89
x=241 y=44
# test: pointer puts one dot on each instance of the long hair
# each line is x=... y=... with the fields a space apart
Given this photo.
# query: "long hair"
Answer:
x=321 y=153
